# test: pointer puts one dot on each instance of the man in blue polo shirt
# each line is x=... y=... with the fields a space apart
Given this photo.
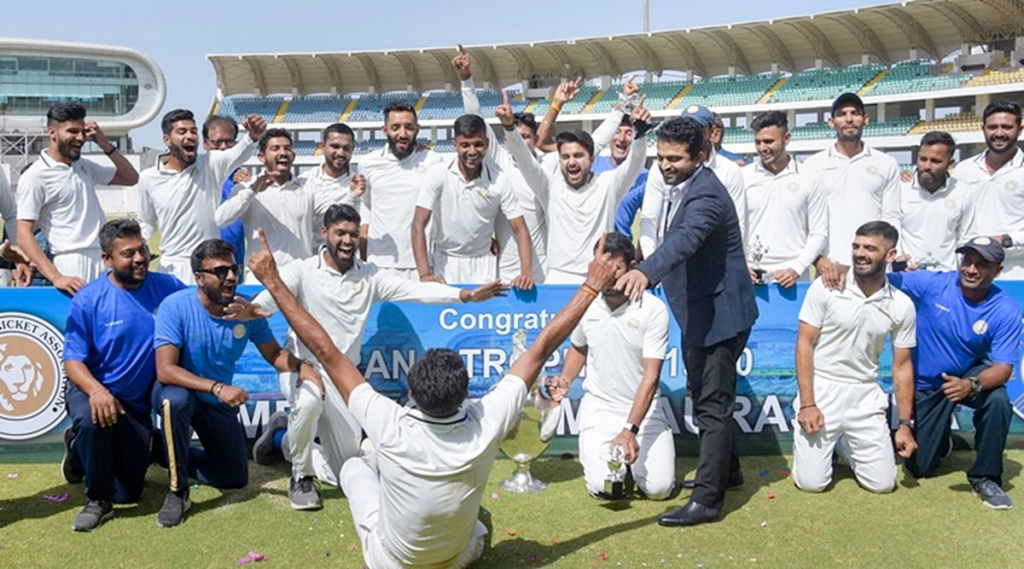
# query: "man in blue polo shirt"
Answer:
x=967 y=334
x=108 y=356
x=196 y=352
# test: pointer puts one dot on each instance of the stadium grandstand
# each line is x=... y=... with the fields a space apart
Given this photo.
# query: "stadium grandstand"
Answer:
x=918 y=65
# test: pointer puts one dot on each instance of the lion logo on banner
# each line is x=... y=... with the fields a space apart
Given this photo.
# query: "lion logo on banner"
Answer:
x=20 y=377
x=32 y=377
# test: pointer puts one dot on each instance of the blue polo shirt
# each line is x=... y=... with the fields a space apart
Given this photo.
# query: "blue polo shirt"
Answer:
x=209 y=346
x=954 y=334
x=630 y=204
x=110 y=330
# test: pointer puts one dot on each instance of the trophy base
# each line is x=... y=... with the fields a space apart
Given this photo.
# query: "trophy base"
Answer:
x=762 y=276
x=522 y=482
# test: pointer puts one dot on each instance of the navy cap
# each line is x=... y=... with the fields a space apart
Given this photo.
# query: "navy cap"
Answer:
x=699 y=113
x=847 y=99
x=989 y=249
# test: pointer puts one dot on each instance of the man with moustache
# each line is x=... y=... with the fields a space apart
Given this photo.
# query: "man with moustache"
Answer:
x=180 y=194
x=335 y=178
x=579 y=204
x=933 y=208
x=196 y=351
x=108 y=356
x=339 y=290
x=58 y=192
x=394 y=177
x=787 y=213
x=221 y=133
x=968 y=330
x=464 y=198
x=994 y=180
x=702 y=268
x=841 y=335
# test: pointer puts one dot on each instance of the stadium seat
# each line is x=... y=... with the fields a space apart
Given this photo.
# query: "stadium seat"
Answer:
x=241 y=106
x=728 y=91
x=960 y=122
x=917 y=76
x=996 y=77
x=370 y=107
x=825 y=84
x=315 y=108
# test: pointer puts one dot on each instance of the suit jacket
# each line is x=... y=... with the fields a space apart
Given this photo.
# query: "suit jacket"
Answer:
x=702 y=265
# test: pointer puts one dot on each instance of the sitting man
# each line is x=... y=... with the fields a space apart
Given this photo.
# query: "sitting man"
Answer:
x=196 y=352
x=625 y=343
x=421 y=507
x=968 y=330
x=838 y=344
x=108 y=356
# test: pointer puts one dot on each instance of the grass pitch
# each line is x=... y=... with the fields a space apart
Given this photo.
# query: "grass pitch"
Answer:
x=929 y=523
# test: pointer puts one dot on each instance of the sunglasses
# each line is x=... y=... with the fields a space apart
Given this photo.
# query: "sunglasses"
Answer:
x=222 y=272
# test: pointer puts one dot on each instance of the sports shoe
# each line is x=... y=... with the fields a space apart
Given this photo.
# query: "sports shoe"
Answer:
x=992 y=495
x=304 y=494
x=70 y=466
x=173 y=510
x=93 y=515
x=263 y=451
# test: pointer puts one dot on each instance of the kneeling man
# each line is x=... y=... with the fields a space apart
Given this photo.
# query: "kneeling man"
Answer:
x=839 y=341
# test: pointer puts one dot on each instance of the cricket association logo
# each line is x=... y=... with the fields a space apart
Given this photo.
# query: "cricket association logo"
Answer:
x=32 y=376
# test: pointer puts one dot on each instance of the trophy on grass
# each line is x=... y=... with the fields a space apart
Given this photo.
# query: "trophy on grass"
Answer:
x=615 y=480
x=532 y=434
x=757 y=252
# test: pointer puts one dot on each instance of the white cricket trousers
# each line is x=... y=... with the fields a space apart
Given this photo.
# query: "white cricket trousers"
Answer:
x=465 y=270
x=655 y=467
x=86 y=264
x=309 y=416
x=361 y=485
x=858 y=412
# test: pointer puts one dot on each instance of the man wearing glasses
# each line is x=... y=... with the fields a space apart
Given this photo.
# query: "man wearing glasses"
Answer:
x=221 y=133
x=196 y=352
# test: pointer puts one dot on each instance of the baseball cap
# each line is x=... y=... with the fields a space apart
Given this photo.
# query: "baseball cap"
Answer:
x=699 y=113
x=989 y=249
x=846 y=99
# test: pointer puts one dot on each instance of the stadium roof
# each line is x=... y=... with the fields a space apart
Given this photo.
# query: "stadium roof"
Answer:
x=886 y=33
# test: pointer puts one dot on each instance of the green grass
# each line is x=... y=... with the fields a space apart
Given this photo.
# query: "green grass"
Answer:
x=930 y=523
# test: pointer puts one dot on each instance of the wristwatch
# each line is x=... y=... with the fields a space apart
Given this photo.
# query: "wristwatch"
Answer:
x=1006 y=241
x=632 y=428
x=975 y=385
x=907 y=422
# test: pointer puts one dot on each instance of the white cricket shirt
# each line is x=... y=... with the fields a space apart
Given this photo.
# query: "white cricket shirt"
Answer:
x=997 y=205
x=932 y=224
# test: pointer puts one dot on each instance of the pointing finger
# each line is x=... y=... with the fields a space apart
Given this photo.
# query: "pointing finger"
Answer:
x=578 y=82
x=600 y=244
x=462 y=50
x=642 y=99
x=263 y=240
x=504 y=98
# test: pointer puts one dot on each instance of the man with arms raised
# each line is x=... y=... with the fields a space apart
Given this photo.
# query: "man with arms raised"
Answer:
x=180 y=194
x=434 y=460
x=464 y=198
x=394 y=177
x=838 y=345
x=58 y=192
x=108 y=356
x=221 y=133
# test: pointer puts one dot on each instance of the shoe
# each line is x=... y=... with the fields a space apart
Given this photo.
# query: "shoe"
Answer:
x=735 y=481
x=992 y=495
x=93 y=515
x=304 y=494
x=263 y=451
x=690 y=515
x=70 y=466
x=173 y=510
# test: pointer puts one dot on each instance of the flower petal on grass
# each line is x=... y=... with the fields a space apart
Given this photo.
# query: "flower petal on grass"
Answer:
x=511 y=532
x=12 y=475
x=602 y=556
x=58 y=498
x=495 y=496
x=771 y=495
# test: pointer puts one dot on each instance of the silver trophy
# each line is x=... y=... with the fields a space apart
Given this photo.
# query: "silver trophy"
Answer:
x=929 y=263
x=615 y=481
x=757 y=252
x=538 y=420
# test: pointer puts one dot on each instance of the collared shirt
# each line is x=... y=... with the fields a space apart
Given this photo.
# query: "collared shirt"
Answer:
x=932 y=223
x=184 y=203
x=852 y=328
x=858 y=190
x=788 y=217
x=674 y=199
x=618 y=341
x=341 y=302
x=433 y=471
x=389 y=204
x=62 y=200
x=996 y=205
x=464 y=213
x=337 y=191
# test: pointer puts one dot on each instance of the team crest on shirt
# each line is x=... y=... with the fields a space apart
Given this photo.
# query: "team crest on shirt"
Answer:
x=32 y=378
x=794 y=186
x=980 y=327
x=1011 y=186
x=950 y=203
x=238 y=331
x=872 y=169
x=357 y=286
x=633 y=323
x=484 y=193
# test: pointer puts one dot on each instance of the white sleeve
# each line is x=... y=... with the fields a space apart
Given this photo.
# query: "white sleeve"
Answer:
x=392 y=288
x=817 y=228
x=509 y=203
x=656 y=333
x=147 y=213
x=626 y=174
x=375 y=413
x=31 y=196
x=651 y=211
x=8 y=209
x=471 y=106
x=223 y=162
x=891 y=196
x=815 y=306
x=734 y=185
x=291 y=276
x=100 y=175
x=233 y=208
x=904 y=328
x=578 y=337
x=534 y=174
x=605 y=132
x=430 y=191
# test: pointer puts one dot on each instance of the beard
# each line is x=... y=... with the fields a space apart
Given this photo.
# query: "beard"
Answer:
x=213 y=293
x=65 y=149
x=128 y=278
x=179 y=154
x=399 y=153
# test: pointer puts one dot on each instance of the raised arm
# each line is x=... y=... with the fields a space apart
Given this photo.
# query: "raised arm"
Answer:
x=124 y=173
x=545 y=130
x=534 y=174
x=626 y=174
x=605 y=132
x=224 y=162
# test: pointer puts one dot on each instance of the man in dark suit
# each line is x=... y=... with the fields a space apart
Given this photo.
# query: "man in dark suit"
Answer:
x=702 y=266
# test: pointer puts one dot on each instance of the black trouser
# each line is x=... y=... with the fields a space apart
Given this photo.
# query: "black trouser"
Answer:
x=711 y=381
x=992 y=416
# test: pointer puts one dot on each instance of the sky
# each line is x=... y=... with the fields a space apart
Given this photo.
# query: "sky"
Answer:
x=179 y=35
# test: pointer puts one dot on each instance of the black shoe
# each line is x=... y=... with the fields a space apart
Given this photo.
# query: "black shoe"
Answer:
x=690 y=515
x=93 y=515
x=263 y=451
x=735 y=481
x=70 y=466
x=173 y=510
